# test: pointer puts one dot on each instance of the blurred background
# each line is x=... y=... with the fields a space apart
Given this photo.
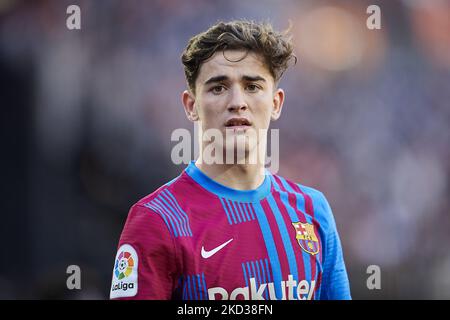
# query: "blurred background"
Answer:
x=87 y=117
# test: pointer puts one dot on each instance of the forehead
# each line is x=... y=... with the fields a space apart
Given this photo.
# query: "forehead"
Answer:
x=233 y=64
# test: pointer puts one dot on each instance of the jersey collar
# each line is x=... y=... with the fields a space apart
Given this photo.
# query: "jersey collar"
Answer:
x=220 y=190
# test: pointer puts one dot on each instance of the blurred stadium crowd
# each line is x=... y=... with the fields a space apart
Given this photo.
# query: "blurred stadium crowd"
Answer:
x=87 y=117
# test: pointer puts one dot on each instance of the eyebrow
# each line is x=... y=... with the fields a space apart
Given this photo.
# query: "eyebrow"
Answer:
x=224 y=78
x=255 y=78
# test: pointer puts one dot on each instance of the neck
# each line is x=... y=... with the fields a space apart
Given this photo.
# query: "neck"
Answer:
x=235 y=176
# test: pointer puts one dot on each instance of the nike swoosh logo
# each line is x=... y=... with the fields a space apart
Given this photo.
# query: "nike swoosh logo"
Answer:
x=207 y=254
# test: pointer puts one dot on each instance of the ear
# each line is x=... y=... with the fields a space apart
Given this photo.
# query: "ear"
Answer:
x=188 y=100
x=278 y=99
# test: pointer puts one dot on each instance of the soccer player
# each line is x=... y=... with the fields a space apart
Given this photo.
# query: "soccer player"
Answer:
x=231 y=229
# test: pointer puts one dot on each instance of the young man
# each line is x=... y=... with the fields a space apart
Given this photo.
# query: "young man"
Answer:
x=227 y=228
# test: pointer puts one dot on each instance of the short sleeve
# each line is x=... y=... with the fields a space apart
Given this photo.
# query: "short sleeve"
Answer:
x=335 y=284
x=145 y=265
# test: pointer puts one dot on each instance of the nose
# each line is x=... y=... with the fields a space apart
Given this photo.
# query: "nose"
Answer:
x=237 y=101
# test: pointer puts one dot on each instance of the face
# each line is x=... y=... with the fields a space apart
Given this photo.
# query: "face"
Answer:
x=234 y=95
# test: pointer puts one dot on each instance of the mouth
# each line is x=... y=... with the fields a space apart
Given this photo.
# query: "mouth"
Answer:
x=238 y=123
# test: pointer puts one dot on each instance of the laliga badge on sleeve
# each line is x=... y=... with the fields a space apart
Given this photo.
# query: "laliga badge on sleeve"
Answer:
x=125 y=273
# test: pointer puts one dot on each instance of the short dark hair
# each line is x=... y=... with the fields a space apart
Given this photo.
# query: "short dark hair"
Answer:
x=275 y=47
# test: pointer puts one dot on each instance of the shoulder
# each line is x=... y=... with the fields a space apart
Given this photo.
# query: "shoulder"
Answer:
x=162 y=209
x=320 y=206
x=322 y=209
x=317 y=197
x=145 y=210
x=164 y=189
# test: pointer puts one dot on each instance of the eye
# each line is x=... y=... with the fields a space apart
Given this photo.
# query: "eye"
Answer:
x=217 y=89
x=253 y=87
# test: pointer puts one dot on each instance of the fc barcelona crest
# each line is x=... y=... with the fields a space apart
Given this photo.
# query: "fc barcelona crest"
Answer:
x=306 y=237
